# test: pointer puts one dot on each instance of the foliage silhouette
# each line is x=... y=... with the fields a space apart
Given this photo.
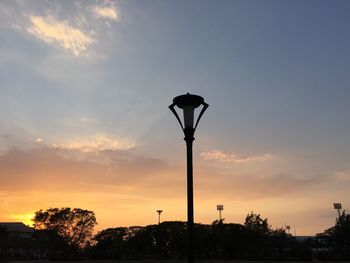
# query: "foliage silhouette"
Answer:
x=66 y=234
x=75 y=225
x=336 y=239
x=255 y=239
x=110 y=243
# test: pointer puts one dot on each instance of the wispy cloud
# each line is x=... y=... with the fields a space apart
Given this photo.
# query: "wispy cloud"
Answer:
x=108 y=12
x=39 y=140
x=95 y=144
x=51 y=30
x=53 y=168
x=249 y=186
x=233 y=157
x=83 y=119
x=47 y=168
x=73 y=26
x=341 y=176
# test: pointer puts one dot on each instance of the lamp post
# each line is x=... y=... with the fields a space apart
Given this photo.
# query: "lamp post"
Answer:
x=220 y=208
x=159 y=212
x=338 y=207
x=188 y=103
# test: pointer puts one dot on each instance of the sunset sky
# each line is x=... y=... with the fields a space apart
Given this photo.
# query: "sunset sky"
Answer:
x=84 y=121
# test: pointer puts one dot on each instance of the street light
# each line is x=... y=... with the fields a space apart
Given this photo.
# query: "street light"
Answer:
x=159 y=212
x=188 y=103
x=338 y=207
x=220 y=208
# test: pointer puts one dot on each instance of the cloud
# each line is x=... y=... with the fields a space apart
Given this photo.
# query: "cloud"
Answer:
x=233 y=157
x=109 y=12
x=213 y=183
x=84 y=119
x=341 y=176
x=39 y=140
x=95 y=144
x=81 y=27
x=57 y=169
x=51 y=30
x=46 y=169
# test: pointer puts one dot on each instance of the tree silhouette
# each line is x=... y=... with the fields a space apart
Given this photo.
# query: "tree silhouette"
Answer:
x=337 y=238
x=257 y=231
x=254 y=223
x=110 y=243
x=74 y=225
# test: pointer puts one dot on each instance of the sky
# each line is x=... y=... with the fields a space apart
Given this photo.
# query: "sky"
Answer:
x=84 y=119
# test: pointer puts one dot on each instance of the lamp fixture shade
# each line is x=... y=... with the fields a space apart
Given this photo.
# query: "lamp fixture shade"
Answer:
x=188 y=103
x=188 y=116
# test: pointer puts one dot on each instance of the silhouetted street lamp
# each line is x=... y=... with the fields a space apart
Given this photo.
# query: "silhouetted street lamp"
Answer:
x=159 y=212
x=338 y=207
x=220 y=208
x=188 y=103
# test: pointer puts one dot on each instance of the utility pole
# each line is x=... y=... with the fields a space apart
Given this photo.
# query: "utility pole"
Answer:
x=220 y=208
x=338 y=207
x=159 y=212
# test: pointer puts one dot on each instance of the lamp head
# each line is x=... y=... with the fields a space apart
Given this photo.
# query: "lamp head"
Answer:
x=220 y=207
x=188 y=103
x=337 y=206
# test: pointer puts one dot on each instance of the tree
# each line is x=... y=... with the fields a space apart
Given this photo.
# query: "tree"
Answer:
x=337 y=238
x=109 y=243
x=257 y=232
x=74 y=225
x=226 y=240
x=254 y=223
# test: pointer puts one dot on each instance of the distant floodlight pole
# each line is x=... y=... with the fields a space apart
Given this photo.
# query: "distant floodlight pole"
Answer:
x=188 y=103
x=220 y=208
x=338 y=207
x=288 y=229
x=159 y=212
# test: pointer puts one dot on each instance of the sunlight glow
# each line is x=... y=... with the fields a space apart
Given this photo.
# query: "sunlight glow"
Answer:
x=24 y=218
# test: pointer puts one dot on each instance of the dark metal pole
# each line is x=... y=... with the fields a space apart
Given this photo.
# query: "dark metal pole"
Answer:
x=189 y=142
x=189 y=103
x=159 y=212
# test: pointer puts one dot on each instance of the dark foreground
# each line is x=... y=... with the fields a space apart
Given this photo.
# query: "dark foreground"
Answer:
x=161 y=261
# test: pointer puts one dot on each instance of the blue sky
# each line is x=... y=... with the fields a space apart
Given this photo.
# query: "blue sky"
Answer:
x=82 y=81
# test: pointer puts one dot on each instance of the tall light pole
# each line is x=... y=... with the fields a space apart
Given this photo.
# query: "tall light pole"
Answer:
x=338 y=207
x=159 y=212
x=220 y=208
x=288 y=229
x=188 y=103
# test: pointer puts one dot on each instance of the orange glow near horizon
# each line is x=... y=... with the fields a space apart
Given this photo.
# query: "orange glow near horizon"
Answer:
x=113 y=210
x=126 y=189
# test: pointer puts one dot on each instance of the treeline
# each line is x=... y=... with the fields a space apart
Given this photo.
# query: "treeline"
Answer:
x=254 y=240
x=67 y=234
